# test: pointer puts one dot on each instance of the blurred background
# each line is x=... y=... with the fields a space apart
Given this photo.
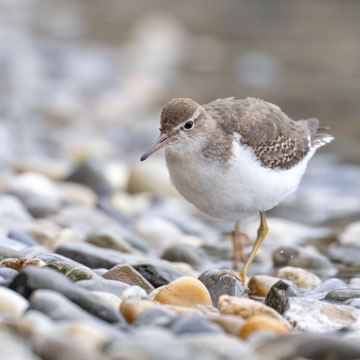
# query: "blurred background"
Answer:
x=83 y=82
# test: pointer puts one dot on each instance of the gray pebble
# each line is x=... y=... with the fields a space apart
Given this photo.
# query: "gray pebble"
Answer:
x=186 y=253
x=156 y=316
x=193 y=323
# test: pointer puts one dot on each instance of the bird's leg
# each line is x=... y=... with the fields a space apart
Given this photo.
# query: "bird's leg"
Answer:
x=261 y=234
x=238 y=245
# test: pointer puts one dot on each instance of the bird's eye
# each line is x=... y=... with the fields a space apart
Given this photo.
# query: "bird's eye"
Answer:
x=189 y=125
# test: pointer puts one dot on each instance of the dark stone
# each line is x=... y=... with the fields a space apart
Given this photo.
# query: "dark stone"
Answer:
x=158 y=274
x=7 y=275
x=320 y=291
x=278 y=295
x=32 y=278
x=192 y=255
x=6 y=253
x=91 y=175
x=23 y=237
x=194 y=323
x=220 y=282
x=93 y=256
x=343 y=294
x=156 y=316
x=100 y=284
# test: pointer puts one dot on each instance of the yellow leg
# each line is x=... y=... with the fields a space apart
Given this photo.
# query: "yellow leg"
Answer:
x=262 y=232
x=238 y=245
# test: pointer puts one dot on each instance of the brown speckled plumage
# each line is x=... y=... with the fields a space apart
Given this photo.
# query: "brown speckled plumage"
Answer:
x=277 y=140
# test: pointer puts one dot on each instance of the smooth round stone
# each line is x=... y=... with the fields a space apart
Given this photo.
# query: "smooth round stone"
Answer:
x=110 y=238
x=11 y=302
x=128 y=275
x=355 y=283
x=303 y=258
x=193 y=324
x=343 y=294
x=131 y=309
x=18 y=264
x=247 y=308
x=41 y=206
x=7 y=275
x=134 y=293
x=279 y=294
x=260 y=285
x=220 y=283
x=11 y=207
x=186 y=253
x=72 y=270
x=77 y=194
x=159 y=274
x=351 y=234
x=184 y=267
x=159 y=233
x=110 y=299
x=23 y=237
x=185 y=291
x=12 y=244
x=231 y=324
x=155 y=316
x=100 y=284
x=6 y=253
x=325 y=287
x=262 y=323
x=305 y=280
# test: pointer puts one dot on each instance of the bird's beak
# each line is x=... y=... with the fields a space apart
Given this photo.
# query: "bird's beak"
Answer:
x=161 y=142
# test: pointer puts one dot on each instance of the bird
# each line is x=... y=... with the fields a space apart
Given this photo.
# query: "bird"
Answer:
x=235 y=158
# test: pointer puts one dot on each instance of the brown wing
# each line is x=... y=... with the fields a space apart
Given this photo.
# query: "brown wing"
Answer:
x=277 y=140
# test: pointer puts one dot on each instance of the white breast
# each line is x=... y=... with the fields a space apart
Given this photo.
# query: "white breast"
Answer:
x=238 y=191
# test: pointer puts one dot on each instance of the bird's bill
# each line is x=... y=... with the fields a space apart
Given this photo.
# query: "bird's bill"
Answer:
x=160 y=143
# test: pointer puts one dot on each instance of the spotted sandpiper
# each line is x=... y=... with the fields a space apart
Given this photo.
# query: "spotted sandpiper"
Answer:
x=235 y=158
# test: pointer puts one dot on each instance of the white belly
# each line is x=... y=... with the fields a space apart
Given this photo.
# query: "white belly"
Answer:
x=236 y=192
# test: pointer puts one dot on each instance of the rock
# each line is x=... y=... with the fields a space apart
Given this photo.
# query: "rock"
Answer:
x=314 y=316
x=305 y=280
x=185 y=268
x=343 y=294
x=355 y=283
x=192 y=324
x=41 y=206
x=260 y=285
x=345 y=254
x=130 y=205
x=11 y=207
x=158 y=232
x=7 y=275
x=155 y=316
x=303 y=258
x=35 y=251
x=158 y=274
x=131 y=309
x=11 y=302
x=100 y=284
x=77 y=194
x=72 y=270
x=262 y=323
x=325 y=287
x=91 y=174
x=19 y=263
x=128 y=275
x=185 y=291
x=23 y=237
x=32 y=278
x=221 y=283
x=109 y=298
x=192 y=255
x=351 y=234
x=12 y=244
x=6 y=253
x=110 y=238
x=93 y=256
x=231 y=324
x=134 y=293
x=279 y=294
x=247 y=308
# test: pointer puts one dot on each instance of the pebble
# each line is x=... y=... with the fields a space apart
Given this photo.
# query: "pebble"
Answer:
x=262 y=323
x=11 y=302
x=158 y=274
x=128 y=275
x=72 y=270
x=231 y=324
x=109 y=298
x=6 y=252
x=304 y=279
x=185 y=253
x=355 y=283
x=77 y=194
x=185 y=291
x=11 y=207
x=221 y=283
x=134 y=293
x=23 y=237
x=247 y=308
x=193 y=324
x=97 y=283
x=260 y=285
x=41 y=206
x=343 y=294
x=7 y=275
x=131 y=309
x=303 y=258
x=156 y=316
x=325 y=287
x=19 y=263
x=108 y=237
x=351 y=234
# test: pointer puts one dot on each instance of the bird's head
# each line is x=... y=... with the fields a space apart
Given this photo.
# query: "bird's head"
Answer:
x=182 y=123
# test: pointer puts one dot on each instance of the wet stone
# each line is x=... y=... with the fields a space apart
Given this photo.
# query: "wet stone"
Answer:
x=221 y=283
x=343 y=294
x=128 y=275
x=193 y=323
x=100 y=284
x=156 y=316
x=279 y=294
x=7 y=275
x=189 y=254
x=158 y=274
x=23 y=237
x=32 y=278
x=303 y=258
